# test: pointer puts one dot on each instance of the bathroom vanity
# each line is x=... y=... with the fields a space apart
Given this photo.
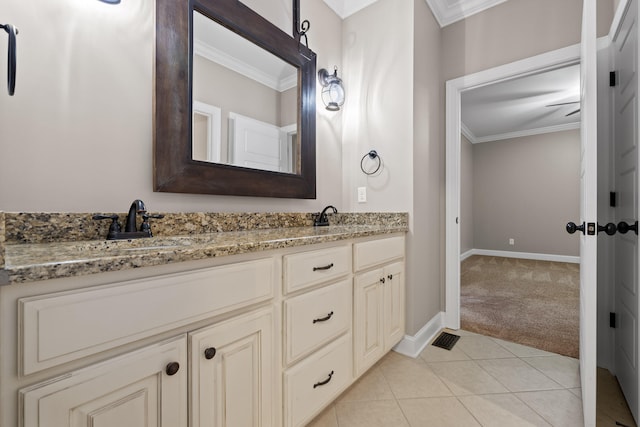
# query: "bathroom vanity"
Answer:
x=263 y=327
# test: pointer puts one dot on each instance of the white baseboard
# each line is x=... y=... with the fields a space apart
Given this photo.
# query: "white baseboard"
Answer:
x=467 y=254
x=412 y=346
x=521 y=255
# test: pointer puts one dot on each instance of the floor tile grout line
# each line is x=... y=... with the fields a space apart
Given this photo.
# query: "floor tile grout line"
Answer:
x=557 y=382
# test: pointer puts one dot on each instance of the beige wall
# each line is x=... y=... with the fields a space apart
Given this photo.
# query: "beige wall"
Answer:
x=77 y=135
x=424 y=256
x=514 y=30
x=466 y=195
x=378 y=71
x=527 y=189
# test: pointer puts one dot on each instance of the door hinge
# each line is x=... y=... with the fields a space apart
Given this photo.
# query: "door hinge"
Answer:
x=612 y=199
x=613 y=78
x=612 y=320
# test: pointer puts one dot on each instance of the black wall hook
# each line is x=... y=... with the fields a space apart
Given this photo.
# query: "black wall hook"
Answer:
x=11 y=57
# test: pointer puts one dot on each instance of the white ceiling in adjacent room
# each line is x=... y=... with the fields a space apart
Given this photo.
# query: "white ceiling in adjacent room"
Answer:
x=523 y=106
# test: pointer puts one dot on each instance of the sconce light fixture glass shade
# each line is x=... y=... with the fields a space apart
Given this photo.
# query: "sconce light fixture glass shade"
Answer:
x=110 y=1
x=332 y=89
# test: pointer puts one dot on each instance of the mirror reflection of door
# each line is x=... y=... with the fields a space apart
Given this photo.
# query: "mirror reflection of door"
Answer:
x=206 y=132
x=243 y=81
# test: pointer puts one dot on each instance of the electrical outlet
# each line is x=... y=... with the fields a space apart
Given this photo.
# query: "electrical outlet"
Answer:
x=362 y=194
x=512 y=242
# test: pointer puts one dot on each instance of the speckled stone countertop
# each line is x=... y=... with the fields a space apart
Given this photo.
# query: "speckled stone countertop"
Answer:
x=28 y=258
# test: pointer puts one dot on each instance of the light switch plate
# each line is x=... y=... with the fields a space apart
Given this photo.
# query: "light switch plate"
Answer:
x=362 y=194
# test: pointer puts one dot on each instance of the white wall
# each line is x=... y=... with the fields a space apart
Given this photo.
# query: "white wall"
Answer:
x=77 y=135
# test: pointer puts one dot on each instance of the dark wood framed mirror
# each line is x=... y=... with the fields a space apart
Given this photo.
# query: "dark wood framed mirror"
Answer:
x=176 y=169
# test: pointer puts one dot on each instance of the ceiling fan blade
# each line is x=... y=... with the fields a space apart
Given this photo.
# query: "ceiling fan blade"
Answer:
x=562 y=103
x=573 y=112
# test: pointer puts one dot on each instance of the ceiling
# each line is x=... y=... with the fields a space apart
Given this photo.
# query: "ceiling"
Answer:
x=523 y=106
x=445 y=11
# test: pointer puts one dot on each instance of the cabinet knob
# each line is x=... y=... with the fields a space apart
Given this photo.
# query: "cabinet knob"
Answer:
x=382 y=280
x=390 y=277
x=172 y=368
x=210 y=353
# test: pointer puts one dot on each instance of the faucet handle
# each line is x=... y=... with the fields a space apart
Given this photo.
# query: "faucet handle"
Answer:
x=145 y=226
x=114 y=227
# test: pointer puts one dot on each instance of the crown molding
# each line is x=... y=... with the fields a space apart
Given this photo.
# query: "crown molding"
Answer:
x=449 y=11
x=522 y=133
x=212 y=54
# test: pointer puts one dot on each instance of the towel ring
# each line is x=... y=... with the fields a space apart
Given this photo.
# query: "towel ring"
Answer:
x=372 y=155
x=11 y=60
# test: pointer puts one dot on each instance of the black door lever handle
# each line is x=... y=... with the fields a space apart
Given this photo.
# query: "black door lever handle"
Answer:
x=623 y=227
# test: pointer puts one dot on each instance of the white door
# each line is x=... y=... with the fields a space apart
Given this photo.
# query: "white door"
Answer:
x=588 y=213
x=626 y=245
x=257 y=145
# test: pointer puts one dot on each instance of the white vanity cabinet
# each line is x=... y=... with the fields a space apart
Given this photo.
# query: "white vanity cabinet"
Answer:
x=379 y=314
x=229 y=363
x=264 y=339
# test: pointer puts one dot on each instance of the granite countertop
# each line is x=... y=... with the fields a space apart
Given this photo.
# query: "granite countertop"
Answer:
x=29 y=262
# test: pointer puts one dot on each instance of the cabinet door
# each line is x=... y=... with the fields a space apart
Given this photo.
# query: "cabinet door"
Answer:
x=368 y=319
x=393 y=304
x=140 y=389
x=232 y=375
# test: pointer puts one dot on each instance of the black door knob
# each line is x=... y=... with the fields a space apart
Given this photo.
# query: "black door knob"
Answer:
x=172 y=368
x=572 y=227
x=610 y=228
x=210 y=353
x=623 y=227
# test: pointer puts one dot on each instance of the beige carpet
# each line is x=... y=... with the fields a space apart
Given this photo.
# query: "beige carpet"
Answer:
x=535 y=303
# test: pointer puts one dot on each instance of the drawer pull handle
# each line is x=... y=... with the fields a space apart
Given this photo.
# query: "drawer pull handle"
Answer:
x=172 y=368
x=321 y=383
x=210 y=353
x=326 y=267
x=324 y=319
x=382 y=280
x=390 y=277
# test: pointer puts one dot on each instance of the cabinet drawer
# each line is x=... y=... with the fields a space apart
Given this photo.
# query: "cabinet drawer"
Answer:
x=58 y=328
x=317 y=380
x=306 y=269
x=316 y=317
x=374 y=252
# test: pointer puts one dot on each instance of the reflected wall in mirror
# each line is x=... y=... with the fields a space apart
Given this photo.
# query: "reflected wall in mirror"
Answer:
x=255 y=93
x=217 y=131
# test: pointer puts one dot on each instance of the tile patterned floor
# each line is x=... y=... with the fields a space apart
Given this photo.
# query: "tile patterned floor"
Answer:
x=481 y=382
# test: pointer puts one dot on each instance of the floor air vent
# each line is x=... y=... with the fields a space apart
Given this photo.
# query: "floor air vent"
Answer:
x=446 y=340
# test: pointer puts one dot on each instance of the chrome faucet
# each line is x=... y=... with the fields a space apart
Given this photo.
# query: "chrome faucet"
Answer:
x=321 y=219
x=137 y=207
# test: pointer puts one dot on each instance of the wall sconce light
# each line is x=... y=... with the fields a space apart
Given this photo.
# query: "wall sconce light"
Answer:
x=332 y=89
x=110 y=1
